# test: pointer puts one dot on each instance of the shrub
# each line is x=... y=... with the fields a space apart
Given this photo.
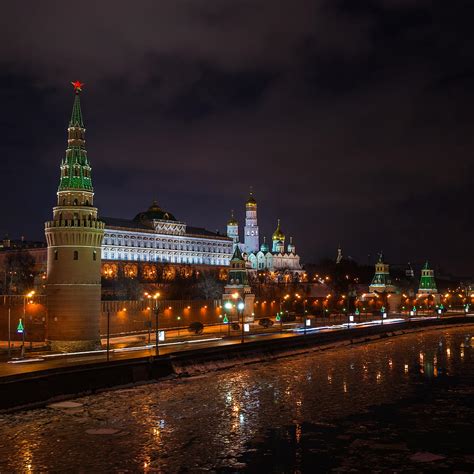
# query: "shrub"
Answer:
x=196 y=327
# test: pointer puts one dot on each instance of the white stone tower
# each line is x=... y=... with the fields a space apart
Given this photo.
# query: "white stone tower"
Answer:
x=74 y=238
x=251 y=237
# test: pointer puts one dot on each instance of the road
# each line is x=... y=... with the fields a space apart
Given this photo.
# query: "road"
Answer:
x=41 y=361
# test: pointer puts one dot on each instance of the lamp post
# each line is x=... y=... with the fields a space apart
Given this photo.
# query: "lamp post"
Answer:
x=240 y=308
x=155 y=298
x=227 y=306
x=9 y=329
x=25 y=297
x=108 y=334
x=147 y=295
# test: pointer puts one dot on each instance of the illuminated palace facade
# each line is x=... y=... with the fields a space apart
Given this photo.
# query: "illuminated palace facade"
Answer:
x=156 y=236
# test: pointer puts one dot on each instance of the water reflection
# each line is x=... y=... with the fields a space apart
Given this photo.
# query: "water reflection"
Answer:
x=206 y=422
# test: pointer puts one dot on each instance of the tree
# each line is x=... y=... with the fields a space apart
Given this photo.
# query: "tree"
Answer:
x=18 y=272
x=209 y=287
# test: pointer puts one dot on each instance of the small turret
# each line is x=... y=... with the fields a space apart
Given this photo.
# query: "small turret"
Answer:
x=291 y=246
x=264 y=247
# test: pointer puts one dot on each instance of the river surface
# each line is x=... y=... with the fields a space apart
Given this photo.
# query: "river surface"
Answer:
x=339 y=409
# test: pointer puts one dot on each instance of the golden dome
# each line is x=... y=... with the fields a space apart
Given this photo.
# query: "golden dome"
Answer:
x=251 y=200
x=278 y=234
x=232 y=220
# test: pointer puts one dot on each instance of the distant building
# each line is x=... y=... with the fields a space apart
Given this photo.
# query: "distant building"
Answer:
x=280 y=260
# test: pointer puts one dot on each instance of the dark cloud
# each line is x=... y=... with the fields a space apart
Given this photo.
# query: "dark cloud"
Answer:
x=351 y=120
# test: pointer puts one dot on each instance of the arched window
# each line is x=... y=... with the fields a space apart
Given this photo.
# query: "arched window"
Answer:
x=55 y=255
x=94 y=255
x=87 y=202
x=75 y=202
x=76 y=255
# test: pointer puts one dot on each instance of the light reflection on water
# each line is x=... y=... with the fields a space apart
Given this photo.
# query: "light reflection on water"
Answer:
x=206 y=421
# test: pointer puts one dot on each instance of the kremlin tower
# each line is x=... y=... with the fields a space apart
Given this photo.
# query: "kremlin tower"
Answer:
x=381 y=282
x=428 y=284
x=74 y=238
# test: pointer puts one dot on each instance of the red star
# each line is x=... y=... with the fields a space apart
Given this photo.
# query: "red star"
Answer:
x=77 y=86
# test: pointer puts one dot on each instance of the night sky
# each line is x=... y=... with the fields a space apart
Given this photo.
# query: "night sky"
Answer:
x=352 y=120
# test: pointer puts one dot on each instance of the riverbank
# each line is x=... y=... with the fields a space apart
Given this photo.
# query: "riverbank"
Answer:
x=37 y=388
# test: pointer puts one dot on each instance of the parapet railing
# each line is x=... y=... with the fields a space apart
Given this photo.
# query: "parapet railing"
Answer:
x=76 y=223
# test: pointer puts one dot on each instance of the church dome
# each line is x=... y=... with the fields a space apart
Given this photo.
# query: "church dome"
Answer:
x=154 y=212
x=251 y=200
x=232 y=220
x=264 y=247
x=278 y=234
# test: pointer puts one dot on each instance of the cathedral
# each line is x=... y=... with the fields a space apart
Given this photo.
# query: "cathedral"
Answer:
x=279 y=259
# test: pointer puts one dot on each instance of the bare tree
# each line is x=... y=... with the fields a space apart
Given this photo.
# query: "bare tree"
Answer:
x=18 y=271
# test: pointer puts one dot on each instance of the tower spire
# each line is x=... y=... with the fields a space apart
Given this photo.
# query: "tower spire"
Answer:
x=76 y=115
x=75 y=168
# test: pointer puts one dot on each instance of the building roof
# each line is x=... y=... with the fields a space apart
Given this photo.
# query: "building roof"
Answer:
x=138 y=225
x=126 y=223
x=232 y=220
x=154 y=212
x=278 y=234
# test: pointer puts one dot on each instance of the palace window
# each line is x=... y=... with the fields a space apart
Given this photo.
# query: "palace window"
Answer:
x=76 y=255
x=94 y=255
x=55 y=255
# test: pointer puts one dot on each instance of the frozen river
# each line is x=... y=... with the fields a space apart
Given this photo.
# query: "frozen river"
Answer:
x=231 y=420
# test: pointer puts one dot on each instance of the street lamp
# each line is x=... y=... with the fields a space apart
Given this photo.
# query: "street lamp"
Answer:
x=240 y=307
x=227 y=306
x=155 y=298
x=25 y=297
x=108 y=333
x=147 y=295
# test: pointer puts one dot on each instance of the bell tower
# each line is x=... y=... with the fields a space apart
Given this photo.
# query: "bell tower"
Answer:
x=74 y=239
x=251 y=236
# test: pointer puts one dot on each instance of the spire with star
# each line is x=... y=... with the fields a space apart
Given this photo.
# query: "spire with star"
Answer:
x=75 y=168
